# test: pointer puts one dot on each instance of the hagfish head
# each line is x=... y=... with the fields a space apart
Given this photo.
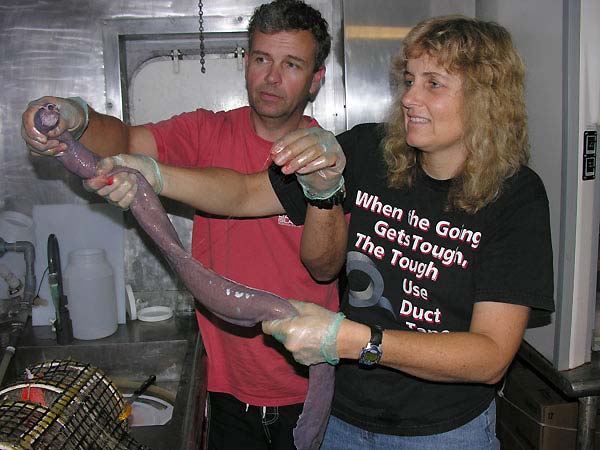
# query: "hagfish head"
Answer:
x=46 y=118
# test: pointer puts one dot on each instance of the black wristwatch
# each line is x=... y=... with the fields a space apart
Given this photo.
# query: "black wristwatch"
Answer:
x=336 y=199
x=371 y=353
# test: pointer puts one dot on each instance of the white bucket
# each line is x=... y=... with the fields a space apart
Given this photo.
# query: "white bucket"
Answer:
x=89 y=285
x=14 y=226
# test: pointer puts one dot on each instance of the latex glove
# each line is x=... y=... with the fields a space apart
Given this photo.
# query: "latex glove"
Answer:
x=73 y=118
x=311 y=336
x=120 y=189
x=317 y=159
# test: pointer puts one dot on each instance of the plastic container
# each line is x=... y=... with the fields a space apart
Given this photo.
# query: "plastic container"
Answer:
x=90 y=288
x=155 y=313
x=14 y=227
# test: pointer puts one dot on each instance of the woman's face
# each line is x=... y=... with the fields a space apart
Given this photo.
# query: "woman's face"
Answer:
x=432 y=104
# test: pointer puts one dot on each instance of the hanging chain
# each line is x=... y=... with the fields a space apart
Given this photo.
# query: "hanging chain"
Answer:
x=201 y=35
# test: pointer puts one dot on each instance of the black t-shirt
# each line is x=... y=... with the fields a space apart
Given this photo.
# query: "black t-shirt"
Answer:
x=411 y=265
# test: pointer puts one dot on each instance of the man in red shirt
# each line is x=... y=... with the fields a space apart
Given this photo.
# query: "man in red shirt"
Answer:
x=255 y=389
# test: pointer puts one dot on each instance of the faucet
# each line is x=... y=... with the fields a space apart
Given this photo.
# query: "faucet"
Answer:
x=14 y=284
x=26 y=302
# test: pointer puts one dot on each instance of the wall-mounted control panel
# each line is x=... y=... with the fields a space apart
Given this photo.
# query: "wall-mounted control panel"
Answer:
x=590 y=144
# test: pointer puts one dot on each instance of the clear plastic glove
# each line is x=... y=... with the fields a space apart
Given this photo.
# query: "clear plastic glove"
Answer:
x=73 y=118
x=311 y=336
x=317 y=159
x=120 y=189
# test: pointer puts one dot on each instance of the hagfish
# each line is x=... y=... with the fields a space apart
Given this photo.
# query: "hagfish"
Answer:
x=231 y=301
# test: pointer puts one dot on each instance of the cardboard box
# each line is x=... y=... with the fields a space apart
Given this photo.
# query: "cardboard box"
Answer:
x=534 y=416
x=520 y=432
x=508 y=440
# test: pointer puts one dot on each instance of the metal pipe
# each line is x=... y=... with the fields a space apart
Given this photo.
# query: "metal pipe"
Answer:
x=9 y=352
x=586 y=423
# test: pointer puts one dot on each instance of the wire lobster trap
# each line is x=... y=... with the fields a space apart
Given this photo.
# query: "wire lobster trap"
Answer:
x=64 y=405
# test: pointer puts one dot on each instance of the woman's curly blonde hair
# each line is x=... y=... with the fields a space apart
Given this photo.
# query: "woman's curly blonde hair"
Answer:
x=493 y=110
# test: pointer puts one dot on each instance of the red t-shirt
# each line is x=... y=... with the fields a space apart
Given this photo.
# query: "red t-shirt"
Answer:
x=260 y=253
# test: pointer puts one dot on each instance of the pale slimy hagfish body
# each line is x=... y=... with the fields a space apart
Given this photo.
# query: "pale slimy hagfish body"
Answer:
x=231 y=301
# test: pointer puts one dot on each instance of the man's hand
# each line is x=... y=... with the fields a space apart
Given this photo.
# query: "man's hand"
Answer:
x=316 y=158
x=72 y=119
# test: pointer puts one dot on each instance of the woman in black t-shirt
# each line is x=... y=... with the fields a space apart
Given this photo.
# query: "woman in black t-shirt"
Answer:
x=447 y=248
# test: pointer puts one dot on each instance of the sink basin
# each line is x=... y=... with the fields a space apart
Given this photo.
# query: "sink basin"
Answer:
x=136 y=351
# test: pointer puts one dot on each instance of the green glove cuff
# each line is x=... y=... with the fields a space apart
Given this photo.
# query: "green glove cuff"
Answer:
x=329 y=344
x=77 y=133
x=320 y=195
x=159 y=179
x=118 y=159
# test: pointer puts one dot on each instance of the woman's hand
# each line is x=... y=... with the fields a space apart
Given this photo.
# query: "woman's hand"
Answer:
x=120 y=189
x=311 y=336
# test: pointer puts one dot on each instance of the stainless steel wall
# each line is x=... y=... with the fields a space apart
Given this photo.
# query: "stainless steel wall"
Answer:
x=56 y=48
x=372 y=37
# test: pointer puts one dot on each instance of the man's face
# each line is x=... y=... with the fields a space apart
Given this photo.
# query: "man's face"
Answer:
x=280 y=73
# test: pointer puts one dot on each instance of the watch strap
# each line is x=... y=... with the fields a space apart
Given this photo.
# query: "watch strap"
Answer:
x=337 y=198
x=376 y=335
x=371 y=353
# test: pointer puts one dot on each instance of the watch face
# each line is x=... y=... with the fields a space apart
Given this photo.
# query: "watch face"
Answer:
x=370 y=355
